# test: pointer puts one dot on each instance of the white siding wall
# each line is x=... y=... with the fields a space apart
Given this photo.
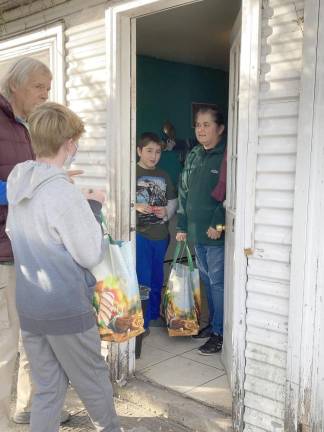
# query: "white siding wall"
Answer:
x=86 y=95
x=85 y=71
x=269 y=267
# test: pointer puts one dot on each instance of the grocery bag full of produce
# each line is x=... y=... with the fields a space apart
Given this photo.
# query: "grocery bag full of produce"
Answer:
x=181 y=300
x=116 y=299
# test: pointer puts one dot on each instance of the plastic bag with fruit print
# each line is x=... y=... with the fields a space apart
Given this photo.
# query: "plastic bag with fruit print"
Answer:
x=116 y=299
x=181 y=301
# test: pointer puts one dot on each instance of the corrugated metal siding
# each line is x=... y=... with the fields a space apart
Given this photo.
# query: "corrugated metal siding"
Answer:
x=86 y=95
x=269 y=267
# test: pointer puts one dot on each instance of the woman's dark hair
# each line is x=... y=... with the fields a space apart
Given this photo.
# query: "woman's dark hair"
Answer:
x=148 y=137
x=216 y=113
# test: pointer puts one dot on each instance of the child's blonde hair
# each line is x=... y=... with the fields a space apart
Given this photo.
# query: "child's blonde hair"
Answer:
x=51 y=125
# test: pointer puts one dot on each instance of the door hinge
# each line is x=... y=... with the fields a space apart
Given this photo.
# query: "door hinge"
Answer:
x=248 y=251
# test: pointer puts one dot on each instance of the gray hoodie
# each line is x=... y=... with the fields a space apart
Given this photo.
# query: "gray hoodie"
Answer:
x=55 y=239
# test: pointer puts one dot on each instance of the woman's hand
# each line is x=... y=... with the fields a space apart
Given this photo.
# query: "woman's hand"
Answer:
x=143 y=208
x=95 y=194
x=160 y=212
x=213 y=234
x=181 y=236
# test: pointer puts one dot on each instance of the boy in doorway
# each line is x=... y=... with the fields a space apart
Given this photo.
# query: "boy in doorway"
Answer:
x=156 y=203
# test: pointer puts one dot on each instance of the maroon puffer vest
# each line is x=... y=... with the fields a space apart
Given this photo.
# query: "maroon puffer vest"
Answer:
x=15 y=147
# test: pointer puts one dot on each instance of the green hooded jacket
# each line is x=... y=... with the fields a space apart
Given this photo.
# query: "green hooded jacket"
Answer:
x=198 y=210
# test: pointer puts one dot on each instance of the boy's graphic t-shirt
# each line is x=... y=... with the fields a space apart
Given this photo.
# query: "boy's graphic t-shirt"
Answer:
x=153 y=187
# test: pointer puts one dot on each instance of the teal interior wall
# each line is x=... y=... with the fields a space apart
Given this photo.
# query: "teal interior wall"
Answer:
x=165 y=91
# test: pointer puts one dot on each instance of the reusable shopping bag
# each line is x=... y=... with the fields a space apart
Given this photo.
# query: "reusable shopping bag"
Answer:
x=116 y=300
x=181 y=300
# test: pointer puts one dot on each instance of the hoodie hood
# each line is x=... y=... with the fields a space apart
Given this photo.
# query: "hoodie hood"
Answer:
x=28 y=177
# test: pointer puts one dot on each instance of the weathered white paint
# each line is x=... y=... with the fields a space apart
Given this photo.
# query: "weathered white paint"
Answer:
x=317 y=388
x=305 y=355
x=269 y=267
x=246 y=170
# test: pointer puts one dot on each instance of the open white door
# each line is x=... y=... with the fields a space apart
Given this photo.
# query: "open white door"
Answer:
x=305 y=367
x=233 y=109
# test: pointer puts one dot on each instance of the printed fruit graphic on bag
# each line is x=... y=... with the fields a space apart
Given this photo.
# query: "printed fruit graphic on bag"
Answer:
x=116 y=300
x=118 y=317
x=181 y=300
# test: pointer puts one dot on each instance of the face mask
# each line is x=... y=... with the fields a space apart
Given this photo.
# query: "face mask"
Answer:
x=70 y=158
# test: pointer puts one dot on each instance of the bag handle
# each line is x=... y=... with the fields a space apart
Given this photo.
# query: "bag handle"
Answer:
x=104 y=223
x=103 y=220
x=177 y=252
x=184 y=246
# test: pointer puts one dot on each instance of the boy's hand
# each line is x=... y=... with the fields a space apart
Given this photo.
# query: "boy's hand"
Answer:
x=181 y=236
x=95 y=194
x=160 y=212
x=213 y=234
x=143 y=208
x=72 y=173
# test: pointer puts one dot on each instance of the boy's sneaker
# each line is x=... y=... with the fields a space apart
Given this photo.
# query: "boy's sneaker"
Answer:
x=212 y=346
x=204 y=333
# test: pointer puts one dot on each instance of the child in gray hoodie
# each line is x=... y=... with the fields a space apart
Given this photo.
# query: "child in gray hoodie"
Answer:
x=56 y=240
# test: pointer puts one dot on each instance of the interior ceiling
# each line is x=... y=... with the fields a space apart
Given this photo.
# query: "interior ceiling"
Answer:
x=196 y=34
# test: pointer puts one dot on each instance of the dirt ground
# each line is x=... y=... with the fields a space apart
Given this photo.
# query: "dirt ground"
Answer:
x=133 y=418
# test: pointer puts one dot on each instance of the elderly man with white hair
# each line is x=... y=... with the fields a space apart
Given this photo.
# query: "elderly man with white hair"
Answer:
x=25 y=86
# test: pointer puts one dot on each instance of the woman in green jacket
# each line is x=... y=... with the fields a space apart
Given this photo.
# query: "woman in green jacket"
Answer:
x=201 y=217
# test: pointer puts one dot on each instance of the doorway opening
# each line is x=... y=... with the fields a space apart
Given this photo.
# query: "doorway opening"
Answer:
x=186 y=56
x=121 y=138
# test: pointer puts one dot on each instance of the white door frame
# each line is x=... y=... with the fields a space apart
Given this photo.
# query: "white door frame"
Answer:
x=305 y=327
x=231 y=185
x=120 y=90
